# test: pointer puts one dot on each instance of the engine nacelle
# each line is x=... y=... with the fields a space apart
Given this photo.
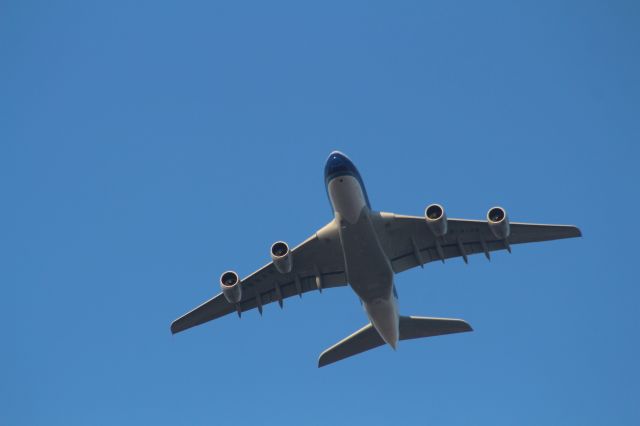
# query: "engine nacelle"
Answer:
x=281 y=256
x=436 y=219
x=230 y=285
x=498 y=223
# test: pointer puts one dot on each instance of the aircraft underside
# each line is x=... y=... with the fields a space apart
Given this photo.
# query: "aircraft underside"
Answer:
x=364 y=249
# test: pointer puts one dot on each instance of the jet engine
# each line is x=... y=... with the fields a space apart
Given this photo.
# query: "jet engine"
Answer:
x=498 y=222
x=230 y=285
x=281 y=256
x=436 y=219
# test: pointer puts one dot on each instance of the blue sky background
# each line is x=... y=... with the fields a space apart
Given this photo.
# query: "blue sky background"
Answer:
x=147 y=146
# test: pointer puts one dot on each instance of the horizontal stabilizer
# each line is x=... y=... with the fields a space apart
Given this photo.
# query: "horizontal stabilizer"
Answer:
x=410 y=328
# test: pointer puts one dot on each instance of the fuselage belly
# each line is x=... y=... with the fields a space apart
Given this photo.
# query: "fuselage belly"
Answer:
x=367 y=267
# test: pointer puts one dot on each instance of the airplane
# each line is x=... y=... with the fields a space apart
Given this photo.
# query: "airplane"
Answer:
x=364 y=249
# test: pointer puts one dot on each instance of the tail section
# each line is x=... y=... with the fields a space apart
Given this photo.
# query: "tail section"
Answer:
x=410 y=328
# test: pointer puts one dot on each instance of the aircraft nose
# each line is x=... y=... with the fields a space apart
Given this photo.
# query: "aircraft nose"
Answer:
x=336 y=156
x=337 y=164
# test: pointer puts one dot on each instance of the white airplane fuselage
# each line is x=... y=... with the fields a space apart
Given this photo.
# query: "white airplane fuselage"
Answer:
x=368 y=269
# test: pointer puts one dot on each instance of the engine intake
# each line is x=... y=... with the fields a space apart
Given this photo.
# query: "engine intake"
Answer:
x=281 y=256
x=230 y=285
x=499 y=223
x=436 y=219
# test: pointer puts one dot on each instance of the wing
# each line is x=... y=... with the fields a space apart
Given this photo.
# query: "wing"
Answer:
x=408 y=241
x=318 y=263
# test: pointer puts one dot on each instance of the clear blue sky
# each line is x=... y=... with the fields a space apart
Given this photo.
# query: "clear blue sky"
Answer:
x=145 y=147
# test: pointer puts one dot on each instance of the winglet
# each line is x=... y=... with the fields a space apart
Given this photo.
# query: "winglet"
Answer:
x=179 y=325
x=211 y=309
